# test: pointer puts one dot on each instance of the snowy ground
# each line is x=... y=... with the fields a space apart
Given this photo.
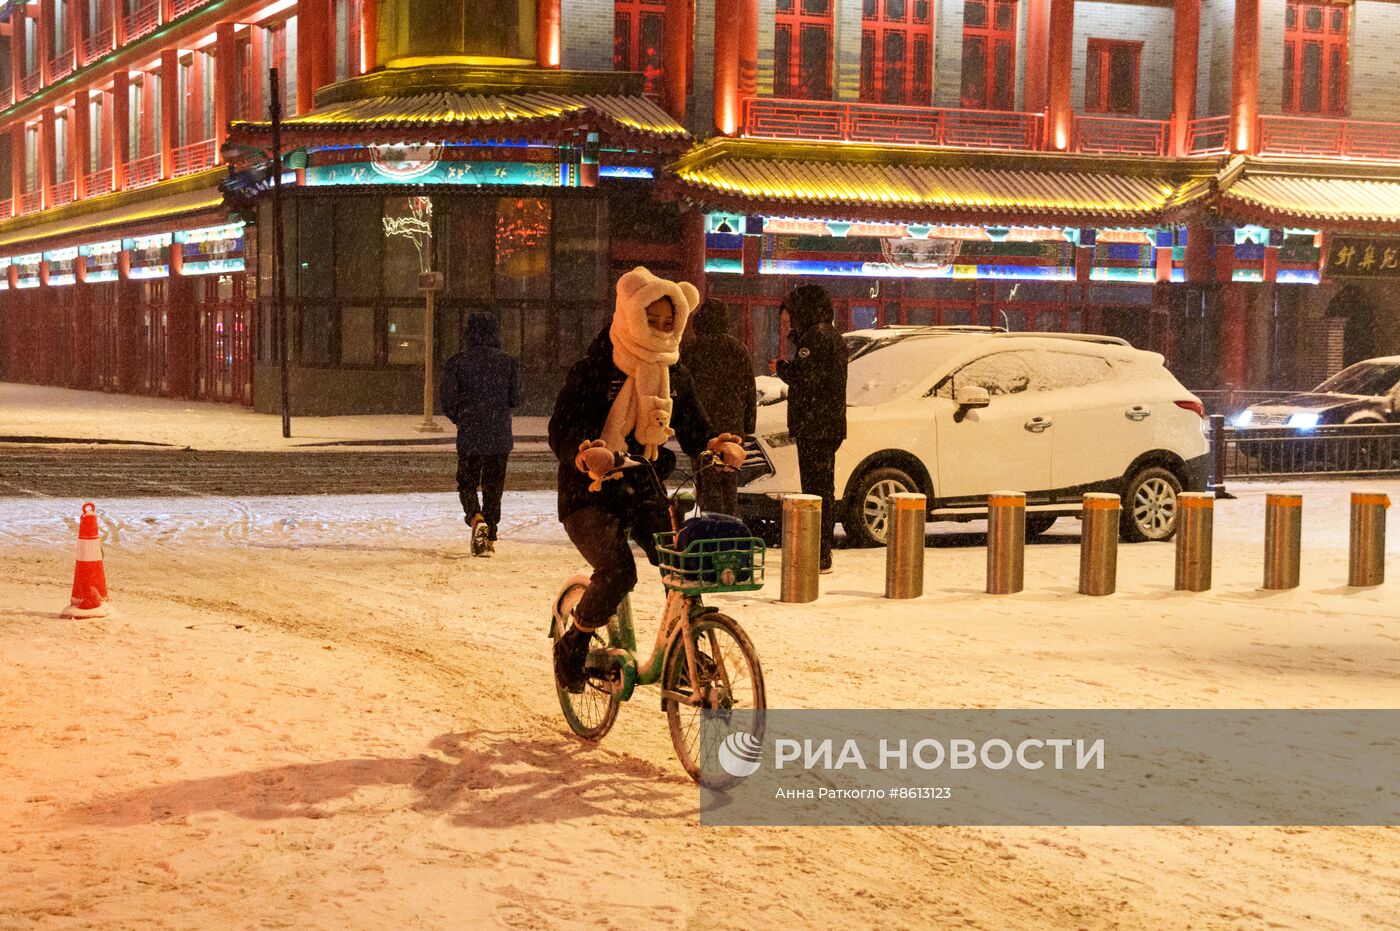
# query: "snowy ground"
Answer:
x=61 y=413
x=314 y=713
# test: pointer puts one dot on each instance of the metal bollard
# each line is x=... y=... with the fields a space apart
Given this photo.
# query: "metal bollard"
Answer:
x=1196 y=522
x=802 y=547
x=1283 y=541
x=904 y=553
x=1098 y=545
x=1218 y=455
x=1366 y=566
x=1006 y=542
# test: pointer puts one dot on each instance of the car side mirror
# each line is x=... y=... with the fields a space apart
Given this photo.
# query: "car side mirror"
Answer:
x=968 y=398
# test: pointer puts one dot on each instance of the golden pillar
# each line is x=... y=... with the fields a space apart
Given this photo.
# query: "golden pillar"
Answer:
x=464 y=32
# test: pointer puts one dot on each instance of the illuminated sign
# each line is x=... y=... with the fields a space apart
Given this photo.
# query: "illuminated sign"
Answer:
x=886 y=270
x=150 y=255
x=28 y=269
x=4 y=274
x=536 y=174
x=63 y=265
x=626 y=171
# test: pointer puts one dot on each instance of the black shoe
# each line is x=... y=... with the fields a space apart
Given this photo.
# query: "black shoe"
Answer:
x=825 y=565
x=570 y=655
x=480 y=537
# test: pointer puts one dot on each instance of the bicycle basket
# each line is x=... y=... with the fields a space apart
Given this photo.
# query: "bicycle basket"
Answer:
x=721 y=564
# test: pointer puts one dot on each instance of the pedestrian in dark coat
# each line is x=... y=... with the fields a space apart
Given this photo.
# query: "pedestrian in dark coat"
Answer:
x=480 y=385
x=625 y=397
x=816 y=403
x=723 y=374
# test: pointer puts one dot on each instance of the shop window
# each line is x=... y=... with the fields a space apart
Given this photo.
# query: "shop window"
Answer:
x=989 y=54
x=896 y=36
x=580 y=230
x=802 y=49
x=1111 y=76
x=359 y=233
x=466 y=227
x=1315 y=35
x=405 y=332
x=316 y=271
x=356 y=335
x=317 y=334
x=402 y=260
x=637 y=26
x=522 y=248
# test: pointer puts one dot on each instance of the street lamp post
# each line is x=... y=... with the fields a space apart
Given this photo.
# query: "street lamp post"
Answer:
x=278 y=259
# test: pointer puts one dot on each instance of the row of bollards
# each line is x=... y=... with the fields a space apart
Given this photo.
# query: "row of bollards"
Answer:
x=1098 y=548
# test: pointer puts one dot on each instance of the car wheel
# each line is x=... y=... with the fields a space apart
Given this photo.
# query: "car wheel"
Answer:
x=1036 y=524
x=1150 y=506
x=868 y=511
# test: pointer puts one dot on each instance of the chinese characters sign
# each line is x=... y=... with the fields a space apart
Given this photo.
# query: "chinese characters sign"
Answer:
x=543 y=174
x=1354 y=257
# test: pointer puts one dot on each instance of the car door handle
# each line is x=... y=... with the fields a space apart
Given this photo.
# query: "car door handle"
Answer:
x=1039 y=424
x=1137 y=412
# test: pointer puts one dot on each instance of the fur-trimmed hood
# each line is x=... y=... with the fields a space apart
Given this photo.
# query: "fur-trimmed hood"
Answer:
x=637 y=289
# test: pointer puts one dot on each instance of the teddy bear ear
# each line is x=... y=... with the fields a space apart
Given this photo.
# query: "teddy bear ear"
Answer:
x=690 y=293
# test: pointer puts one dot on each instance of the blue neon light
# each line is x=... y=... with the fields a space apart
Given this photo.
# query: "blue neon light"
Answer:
x=626 y=171
x=884 y=270
x=1299 y=276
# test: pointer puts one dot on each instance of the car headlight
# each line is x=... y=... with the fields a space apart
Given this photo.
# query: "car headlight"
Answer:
x=1304 y=420
x=1244 y=419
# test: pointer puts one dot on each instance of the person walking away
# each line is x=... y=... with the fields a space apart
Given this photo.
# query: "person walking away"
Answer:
x=625 y=397
x=722 y=371
x=480 y=385
x=816 y=403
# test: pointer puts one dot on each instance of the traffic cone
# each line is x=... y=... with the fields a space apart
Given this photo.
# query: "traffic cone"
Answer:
x=89 y=581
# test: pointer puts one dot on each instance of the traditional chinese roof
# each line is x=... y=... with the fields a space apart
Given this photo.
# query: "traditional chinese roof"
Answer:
x=1346 y=197
x=126 y=214
x=451 y=116
x=930 y=185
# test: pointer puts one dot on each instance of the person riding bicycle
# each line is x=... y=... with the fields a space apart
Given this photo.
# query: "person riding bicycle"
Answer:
x=626 y=397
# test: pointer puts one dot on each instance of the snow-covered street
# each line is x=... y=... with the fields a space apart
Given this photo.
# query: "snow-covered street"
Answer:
x=315 y=712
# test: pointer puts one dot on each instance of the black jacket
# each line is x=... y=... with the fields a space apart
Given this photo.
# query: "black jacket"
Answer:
x=722 y=371
x=816 y=374
x=479 y=386
x=579 y=414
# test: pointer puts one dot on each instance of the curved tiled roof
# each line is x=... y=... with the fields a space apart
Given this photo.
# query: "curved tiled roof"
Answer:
x=1302 y=198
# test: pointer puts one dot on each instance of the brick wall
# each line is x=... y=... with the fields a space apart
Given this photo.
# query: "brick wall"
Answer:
x=1217 y=51
x=1375 y=62
x=586 y=28
x=1271 y=55
x=947 y=72
x=1150 y=25
x=845 y=83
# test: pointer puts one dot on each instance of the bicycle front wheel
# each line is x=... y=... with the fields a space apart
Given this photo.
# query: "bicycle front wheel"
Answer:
x=591 y=713
x=729 y=679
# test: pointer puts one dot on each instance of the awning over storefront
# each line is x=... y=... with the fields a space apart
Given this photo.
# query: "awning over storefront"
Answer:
x=134 y=218
x=633 y=120
x=1333 y=199
x=903 y=183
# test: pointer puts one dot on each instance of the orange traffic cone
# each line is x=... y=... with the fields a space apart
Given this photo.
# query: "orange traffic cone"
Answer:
x=89 y=581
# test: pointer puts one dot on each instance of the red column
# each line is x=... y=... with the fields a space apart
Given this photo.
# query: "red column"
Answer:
x=1186 y=38
x=693 y=248
x=16 y=50
x=78 y=142
x=726 y=89
x=1197 y=252
x=225 y=80
x=42 y=35
x=257 y=64
x=181 y=338
x=195 y=102
x=748 y=48
x=369 y=35
x=1059 y=115
x=76 y=9
x=313 y=25
x=1234 y=321
x=1244 y=78
x=47 y=158
x=16 y=165
x=675 y=34
x=547 y=32
x=120 y=128
x=1037 y=54
x=117 y=11
x=169 y=110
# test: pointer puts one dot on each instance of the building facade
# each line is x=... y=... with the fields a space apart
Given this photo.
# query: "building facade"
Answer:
x=1218 y=180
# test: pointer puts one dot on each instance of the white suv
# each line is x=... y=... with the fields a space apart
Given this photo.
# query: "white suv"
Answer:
x=959 y=412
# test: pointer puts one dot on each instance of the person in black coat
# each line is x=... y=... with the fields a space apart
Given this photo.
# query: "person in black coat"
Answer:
x=480 y=385
x=626 y=396
x=816 y=403
x=723 y=374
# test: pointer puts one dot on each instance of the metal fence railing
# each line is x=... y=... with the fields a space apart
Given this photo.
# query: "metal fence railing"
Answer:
x=1276 y=452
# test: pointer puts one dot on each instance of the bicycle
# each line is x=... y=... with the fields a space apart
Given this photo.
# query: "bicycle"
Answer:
x=702 y=659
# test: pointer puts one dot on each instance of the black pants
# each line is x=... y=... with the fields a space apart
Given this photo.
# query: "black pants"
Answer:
x=601 y=538
x=489 y=474
x=717 y=491
x=816 y=466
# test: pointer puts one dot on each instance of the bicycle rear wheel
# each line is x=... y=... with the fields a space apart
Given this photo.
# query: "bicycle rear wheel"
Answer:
x=591 y=713
x=730 y=680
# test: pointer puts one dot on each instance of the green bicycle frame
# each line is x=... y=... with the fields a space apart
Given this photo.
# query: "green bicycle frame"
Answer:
x=622 y=641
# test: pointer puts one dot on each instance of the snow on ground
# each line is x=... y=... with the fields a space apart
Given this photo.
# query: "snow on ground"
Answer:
x=62 y=413
x=315 y=713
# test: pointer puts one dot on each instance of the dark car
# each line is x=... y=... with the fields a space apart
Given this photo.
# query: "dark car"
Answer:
x=1366 y=392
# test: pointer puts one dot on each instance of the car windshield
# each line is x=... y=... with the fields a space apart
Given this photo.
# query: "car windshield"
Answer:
x=886 y=369
x=1371 y=379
